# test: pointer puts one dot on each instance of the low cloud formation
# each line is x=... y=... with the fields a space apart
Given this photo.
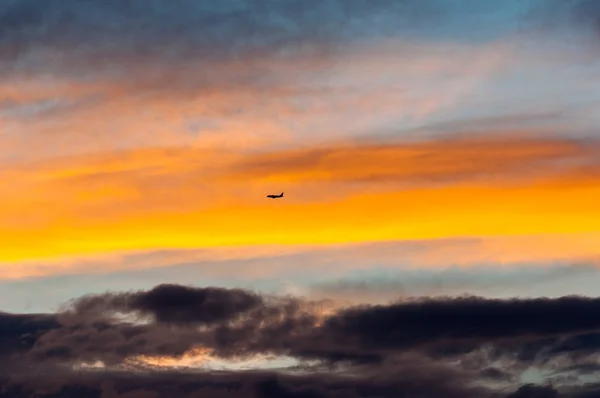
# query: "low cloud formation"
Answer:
x=446 y=347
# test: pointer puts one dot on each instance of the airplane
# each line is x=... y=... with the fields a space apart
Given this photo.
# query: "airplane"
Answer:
x=275 y=196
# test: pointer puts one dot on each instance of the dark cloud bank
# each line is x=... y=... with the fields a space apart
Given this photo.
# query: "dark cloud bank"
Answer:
x=442 y=347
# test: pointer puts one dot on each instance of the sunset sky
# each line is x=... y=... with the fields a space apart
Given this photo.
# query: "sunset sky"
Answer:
x=426 y=148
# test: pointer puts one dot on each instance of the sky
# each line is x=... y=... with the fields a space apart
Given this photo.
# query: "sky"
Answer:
x=439 y=234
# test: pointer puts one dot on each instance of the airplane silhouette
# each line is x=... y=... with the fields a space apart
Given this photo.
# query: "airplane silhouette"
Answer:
x=275 y=196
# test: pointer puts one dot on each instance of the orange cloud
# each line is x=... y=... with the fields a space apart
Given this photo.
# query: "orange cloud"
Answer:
x=186 y=198
x=421 y=162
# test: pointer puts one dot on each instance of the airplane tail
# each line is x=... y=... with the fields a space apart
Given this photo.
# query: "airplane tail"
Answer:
x=282 y=194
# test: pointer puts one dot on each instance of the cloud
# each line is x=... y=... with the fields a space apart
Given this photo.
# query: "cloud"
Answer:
x=160 y=30
x=435 y=161
x=230 y=27
x=114 y=39
x=412 y=324
x=427 y=379
x=468 y=346
x=212 y=28
x=174 y=304
x=286 y=71
x=268 y=78
x=163 y=100
x=534 y=391
x=246 y=103
x=19 y=332
x=311 y=329
x=456 y=159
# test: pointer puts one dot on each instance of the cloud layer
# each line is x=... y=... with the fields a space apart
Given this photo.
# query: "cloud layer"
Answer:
x=448 y=346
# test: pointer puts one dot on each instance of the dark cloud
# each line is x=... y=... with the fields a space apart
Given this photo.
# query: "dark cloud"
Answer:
x=589 y=390
x=534 y=391
x=241 y=323
x=169 y=303
x=112 y=343
x=456 y=341
x=422 y=382
x=496 y=374
x=169 y=320
x=237 y=323
x=469 y=320
x=413 y=378
x=18 y=333
x=173 y=303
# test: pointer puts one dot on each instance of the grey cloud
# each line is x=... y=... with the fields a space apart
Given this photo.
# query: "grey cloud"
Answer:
x=18 y=332
x=288 y=326
x=483 y=339
x=169 y=303
x=417 y=380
